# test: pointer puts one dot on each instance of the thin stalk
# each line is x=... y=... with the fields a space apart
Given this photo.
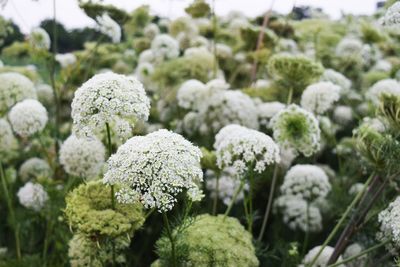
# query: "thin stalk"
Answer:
x=250 y=199
x=307 y=234
x=290 y=96
x=362 y=253
x=269 y=204
x=171 y=239
x=215 y=201
x=214 y=17
x=46 y=240
x=109 y=148
x=342 y=219
x=233 y=200
x=15 y=224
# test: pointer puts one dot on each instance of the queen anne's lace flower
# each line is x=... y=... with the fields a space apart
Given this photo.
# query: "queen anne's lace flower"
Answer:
x=28 y=117
x=45 y=94
x=83 y=157
x=353 y=250
x=106 y=97
x=151 y=31
x=39 y=39
x=343 y=114
x=294 y=212
x=297 y=128
x=337 y=78
x=8 y=142
x=319 y=97
x=322 y=259
x=349 y=47
x=154 y=169
x=228 y=183
x=34 y=168
x=14 y=87
x=389 y=226
x=389 y=86
x=165 y=47
x=191 y=93
x=66 y=60
x=392 y=16
x=109 y=27
x=32 y=196
x=267 y=110
x=308 y=182
x=241 y=147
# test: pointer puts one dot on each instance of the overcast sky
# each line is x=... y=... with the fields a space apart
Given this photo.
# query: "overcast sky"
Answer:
x=28 y=14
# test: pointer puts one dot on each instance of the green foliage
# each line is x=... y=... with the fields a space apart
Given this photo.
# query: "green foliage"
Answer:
x=94 y=10
x=371 y=34
x=250 y=35
x=371 y=77
x=390 y=110
x=89 y=210
x=16 y=50
x=209 y=241
x=139 y=18
x=209 y=159
x=294 y=72
x=198 y=9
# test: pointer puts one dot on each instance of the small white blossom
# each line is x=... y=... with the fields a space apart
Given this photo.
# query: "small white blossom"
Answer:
x=164 y=47
x=267 y=110
x=105 y=98
x=34 y=168
x=39 y=39
x=389 y=220
x=14 y=87
x=191 y=93
x=154 y=169
x=392 y=16
x=343 y=115
x=322 y=259
x=389 y=86
x=151 y=31
x=28 y=117
x=109 y=27
x=319 y=97
x=306 y=181
x=83 y=157
x=66 y=60
x=8 y=142
x=240 y=147
x=45 y=94
x=353 y=250
x=32 y=196
x=337 y=78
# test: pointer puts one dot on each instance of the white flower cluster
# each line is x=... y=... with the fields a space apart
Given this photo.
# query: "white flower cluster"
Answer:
x=228 y=183
x=223 y=51
x=34 y=168
x=83 y=157
x=241 y=148
x=349 y=48
x=105 y=98
x=337 y=78
x=267 y=110
x=8 y=142
x=389 y=86
x=143 y=72
x=154 y=169
x=319 y=97
x=294 y=214
x=306 y=181
x=392 y=16
x=151 y=31
x=353 y=250
x=32 y=196
x=297 y=128
x=109 y=27
x=389 y=220
x=164 y=47
x=39 y=39
x=213 y=107
x=28 y=117
x=45 y=94
x=65 y=60
x=322 y=259
x=14 y=87
x=343 y=115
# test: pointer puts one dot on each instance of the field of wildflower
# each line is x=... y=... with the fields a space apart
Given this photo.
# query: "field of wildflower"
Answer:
x=202 y=140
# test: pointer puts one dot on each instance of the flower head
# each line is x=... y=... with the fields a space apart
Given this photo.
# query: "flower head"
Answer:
x=8 y=142
x=32 y=196
x=267 y=110
x=39 y=39
x=392 y=16
x=14 y=87
x=106 y=97
x=322 y=259
x=308 y=182
x=336 y=78
x=82 y=157
x=28 y=117
x=191 y=94
x=165 y=46
x=66 y=60
x=389 y=86
x=297 y=128
x=389 y=225
x=109 y=27
x=154 y=169
x=34 y=168
x=319 y=97
x=241 y=147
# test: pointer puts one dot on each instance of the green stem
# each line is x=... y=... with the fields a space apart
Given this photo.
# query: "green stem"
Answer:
x=171 y=239
x=14 y=223
x=290 y=96
x=362 y=253
x=215 y=203
x=250 y=199
x=46 y=240
x=269 y=204
x=235 y=195
x=215 y=64
x=307 y=234
x=342 y=219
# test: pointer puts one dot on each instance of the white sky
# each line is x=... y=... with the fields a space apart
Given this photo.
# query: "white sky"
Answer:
x=28 y=14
